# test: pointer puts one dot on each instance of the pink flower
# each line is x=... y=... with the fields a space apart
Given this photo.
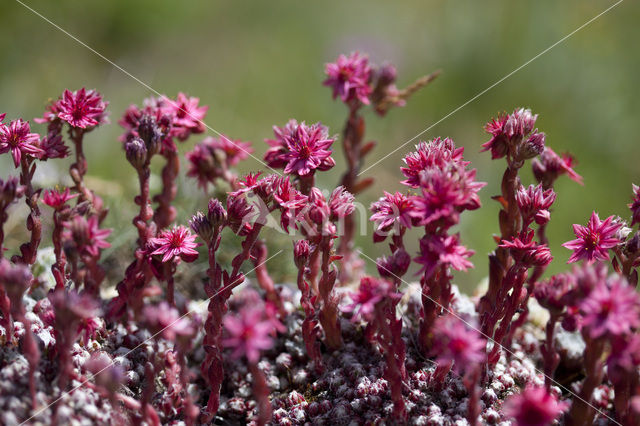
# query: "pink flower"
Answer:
x=211 y=158
x=549 y=166
x=391 y=212
x=308 y=150
x=349 y=77
x=249 y=332
x=53 y=146
x=526 y=251
x=274 y=157
x=290 y=200
x=635 y=205
x=508 y=130
x=341 y=203
x=187 y=115
x=612 y=308
x=439 y=250
x=534 y=203
x=165 y=320
x=533 y=407
x=594 y=240
x=394 y=266
x=82 y=108
x=16 y=137
x=370 y=292
x=173 y=244
x=434 y=153
x=554 y=293
x=57 y=199
x=454 y=342
x=86 y=235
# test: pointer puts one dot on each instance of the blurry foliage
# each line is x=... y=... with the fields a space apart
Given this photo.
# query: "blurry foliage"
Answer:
x=260 y=63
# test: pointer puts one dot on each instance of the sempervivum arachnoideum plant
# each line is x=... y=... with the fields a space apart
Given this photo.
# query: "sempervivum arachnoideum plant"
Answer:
x=336 y=346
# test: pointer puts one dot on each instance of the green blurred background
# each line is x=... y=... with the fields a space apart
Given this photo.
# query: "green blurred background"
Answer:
x=260 y=63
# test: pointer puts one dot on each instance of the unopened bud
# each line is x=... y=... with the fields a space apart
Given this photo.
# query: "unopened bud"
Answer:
x=136 y=153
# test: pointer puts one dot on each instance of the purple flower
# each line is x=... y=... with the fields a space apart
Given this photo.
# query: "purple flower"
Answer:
x=53 y=146
x=349 y=77
x=612 y=308
x=535 y=406
x=391 y=212
x=17 y=138
x=211 y=158
x=86 y=235
x=594 y=240
x=187 y=115
x=534 y=203
x=82 y=108
x=454 y=342
x=249 y=332
x=173 y=244
x=554 y=292
x=549 y=166
x=438 y=250
x=57 y=199
x=307 y=149
x=526 y=251
x=395 y=265
x=370 y=292
x=434 y=153
x=165 y=320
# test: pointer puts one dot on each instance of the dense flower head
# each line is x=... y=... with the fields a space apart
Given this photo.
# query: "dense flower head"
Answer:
x=635 y=205
x=395 y=265
x=165 y=320
x=211 y=158
x=534 y=203
x=535 y=406
x=455 y=342
x=391 y=212
x=436 y=153
x=442 y=250
x=57 y=199
x=349 y=78
x=240 y=214
x=174 y=244
x=612 y=308
x=508 y=132
x=53 y=146
x=290 y=201
x=10 y=191
x=554 y=292
x=86 y=236
x=152 y=122
x=187 y=115
x=370 y=292
x=17 y=138
x=81 y=108
x=549 y=166
x=526 y=251
x=249 y=332
x=594 y=240
x=300 y=149
x=341 y=203
x=445 y=193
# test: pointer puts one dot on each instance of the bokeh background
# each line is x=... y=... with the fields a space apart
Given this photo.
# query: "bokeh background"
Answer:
x=257 y=64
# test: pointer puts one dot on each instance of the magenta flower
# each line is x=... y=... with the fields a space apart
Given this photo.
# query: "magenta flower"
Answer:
x=308 y=149
x=594 y=240
x=534 y=203
x=434 y=153
x=507 y=129
x=635 y=205
x=290 y=200
x=535 y=406
x=82 y=108
x=392 y=211
x=176 y=243
x=274 y=157
x=349 y=77
x=341 y=202
x=395 y=265
x=57 y=199
x=612 y=308
x=17 y=138
x=526 y=251
x=249 y=332
x=86 y=235
x=53 y=146
x=165 y=320
x=370 y=292
x=187 y=115
x=549 y=166
x=454 y=342
x=438 y=250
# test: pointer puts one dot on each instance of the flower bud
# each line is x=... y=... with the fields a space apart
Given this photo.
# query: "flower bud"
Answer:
x=150 y=133
x=532 y=147
x=301 y=253
x=136 y=153
x=10 y=190
x=201 y=225
x=217 y=215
